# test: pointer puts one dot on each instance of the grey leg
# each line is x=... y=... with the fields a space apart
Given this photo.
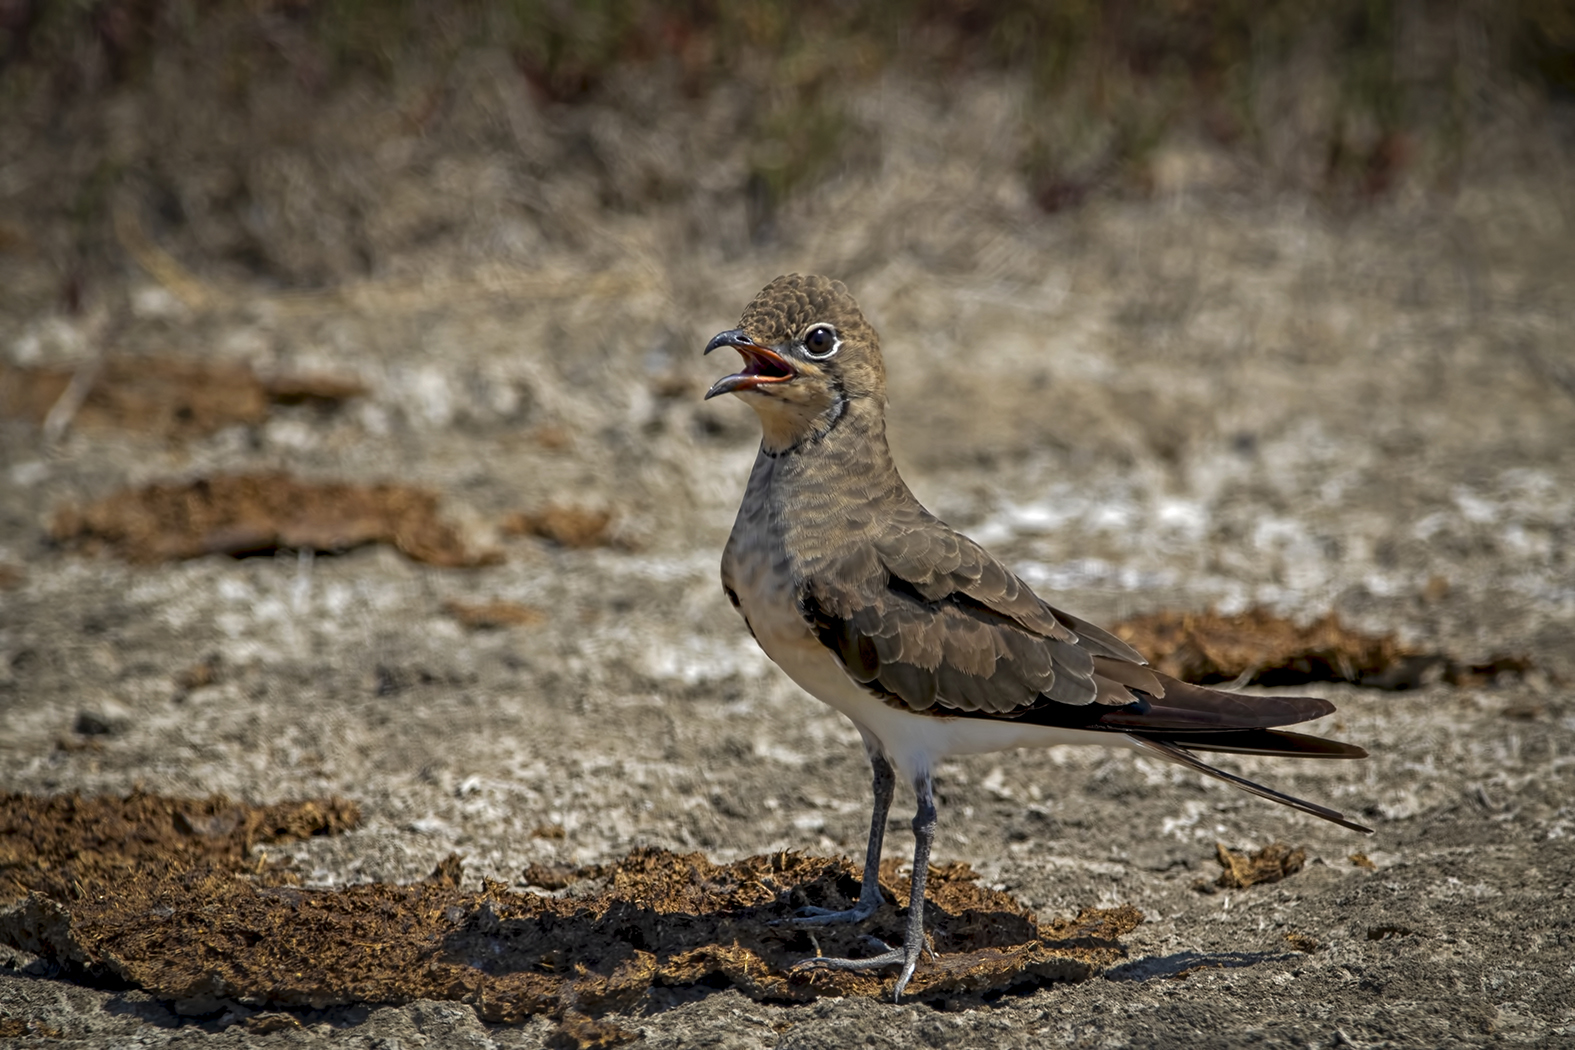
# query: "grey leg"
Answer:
x=869 y=892
x=913 y=941
x=923 y=836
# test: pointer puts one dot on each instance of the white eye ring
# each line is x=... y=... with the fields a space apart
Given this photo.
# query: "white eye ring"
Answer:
x=811 y=332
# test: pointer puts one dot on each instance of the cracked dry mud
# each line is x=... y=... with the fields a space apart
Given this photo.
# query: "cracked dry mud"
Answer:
x=1218 y=398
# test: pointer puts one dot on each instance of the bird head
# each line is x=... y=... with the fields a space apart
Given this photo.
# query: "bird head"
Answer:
x=809 y=358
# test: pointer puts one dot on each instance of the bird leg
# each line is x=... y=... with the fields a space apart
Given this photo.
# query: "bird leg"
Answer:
x=869 y=892
x=906 y=956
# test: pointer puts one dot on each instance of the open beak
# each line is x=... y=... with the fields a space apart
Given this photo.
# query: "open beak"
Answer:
x=762 y=365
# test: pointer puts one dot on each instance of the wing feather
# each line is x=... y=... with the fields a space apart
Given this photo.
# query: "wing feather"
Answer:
x=1130 y=674
x=927 y=616
x=953 y=631
x=1111 y=693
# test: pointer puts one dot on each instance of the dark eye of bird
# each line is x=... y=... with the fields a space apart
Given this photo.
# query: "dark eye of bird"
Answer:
x=820 y=341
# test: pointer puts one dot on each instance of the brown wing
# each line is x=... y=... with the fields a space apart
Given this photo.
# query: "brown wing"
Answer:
x=958 y=654
x=928 y=616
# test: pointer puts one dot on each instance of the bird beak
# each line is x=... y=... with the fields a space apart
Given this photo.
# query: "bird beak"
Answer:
x=761 y=365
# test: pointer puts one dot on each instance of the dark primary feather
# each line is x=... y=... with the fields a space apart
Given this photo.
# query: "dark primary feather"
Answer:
x=1268 y=742
x=1195 y=707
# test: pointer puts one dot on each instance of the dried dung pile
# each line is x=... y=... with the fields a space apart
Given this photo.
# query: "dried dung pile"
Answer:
x=1272 y=863
x=232 y=929
x=255 y=513
x=567 y=526
x=168 y=396
x=480 y=616
x=1259 y=648
x=61 y=845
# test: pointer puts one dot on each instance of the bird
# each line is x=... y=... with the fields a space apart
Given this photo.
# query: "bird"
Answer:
x=924 y=640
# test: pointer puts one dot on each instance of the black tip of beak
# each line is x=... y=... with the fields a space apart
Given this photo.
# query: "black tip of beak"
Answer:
x=732 y=337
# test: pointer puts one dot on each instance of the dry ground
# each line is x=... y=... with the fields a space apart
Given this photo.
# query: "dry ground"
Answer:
x=1213 y=396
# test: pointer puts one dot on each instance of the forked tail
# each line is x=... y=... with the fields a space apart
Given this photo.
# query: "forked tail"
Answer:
x=1261 y=742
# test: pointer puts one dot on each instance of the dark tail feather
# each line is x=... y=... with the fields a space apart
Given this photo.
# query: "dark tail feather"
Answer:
x=1178 y=753
x=1281 y=742
x=1188 y=707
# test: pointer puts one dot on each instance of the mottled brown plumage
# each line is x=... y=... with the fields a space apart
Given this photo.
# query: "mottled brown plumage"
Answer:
x=927 y=642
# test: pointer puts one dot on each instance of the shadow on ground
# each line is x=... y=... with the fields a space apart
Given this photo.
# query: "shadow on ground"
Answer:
x=1185 y=964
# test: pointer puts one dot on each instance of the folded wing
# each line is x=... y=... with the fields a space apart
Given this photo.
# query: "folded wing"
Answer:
x=936 y=624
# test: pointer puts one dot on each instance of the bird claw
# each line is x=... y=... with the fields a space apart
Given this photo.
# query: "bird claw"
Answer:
x=889 y=957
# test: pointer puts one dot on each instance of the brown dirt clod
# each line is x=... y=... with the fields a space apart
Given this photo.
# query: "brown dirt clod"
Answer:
x=567 y=526
x=577 y=1031
x=272 y=1021
x=204 y=672
x=1260 y=648
x=310 y=388
x=167 y=396
x=1269 y=864
x=253 y=513
x=449 y=872
x=480 y=616
x=1388 y=930
x=12 y=1027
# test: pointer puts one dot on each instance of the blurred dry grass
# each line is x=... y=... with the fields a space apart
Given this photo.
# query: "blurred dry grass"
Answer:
x=1338 y=98
x=389 y=156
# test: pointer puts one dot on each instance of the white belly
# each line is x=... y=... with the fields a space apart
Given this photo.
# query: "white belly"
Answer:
x=912 y=743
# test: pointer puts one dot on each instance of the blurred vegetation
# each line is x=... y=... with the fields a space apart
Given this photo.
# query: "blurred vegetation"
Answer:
x=1375 y=81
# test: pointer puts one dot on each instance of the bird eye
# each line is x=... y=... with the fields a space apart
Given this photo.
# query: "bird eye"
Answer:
x=821 y=341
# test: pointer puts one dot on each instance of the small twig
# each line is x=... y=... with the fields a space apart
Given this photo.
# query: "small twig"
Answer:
x=1241 y=681
x=61 y=414
x=159 y=264
x=65 y=408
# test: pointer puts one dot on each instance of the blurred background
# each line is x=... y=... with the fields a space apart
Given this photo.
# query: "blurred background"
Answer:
x=297 y=145
x=351 y=439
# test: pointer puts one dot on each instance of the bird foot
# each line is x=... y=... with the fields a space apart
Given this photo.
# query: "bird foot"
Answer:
x=907 y=957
